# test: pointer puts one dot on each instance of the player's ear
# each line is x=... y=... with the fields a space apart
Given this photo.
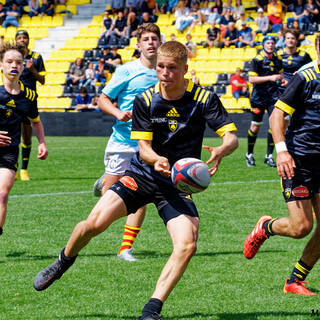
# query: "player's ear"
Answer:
x=186 y=67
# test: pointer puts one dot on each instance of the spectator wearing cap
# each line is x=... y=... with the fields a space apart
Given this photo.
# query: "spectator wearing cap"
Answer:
x=12 y=15
x=47 y=8
x=231 y=37
x=83 y=100
x=262 y=22
x=213 y=36
x=239 y=85
x=247 y=36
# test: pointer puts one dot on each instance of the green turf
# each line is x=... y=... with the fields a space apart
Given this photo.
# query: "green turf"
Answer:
x=219 y=282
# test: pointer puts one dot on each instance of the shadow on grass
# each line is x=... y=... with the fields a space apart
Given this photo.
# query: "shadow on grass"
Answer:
x=257 y=315
x=22 y=255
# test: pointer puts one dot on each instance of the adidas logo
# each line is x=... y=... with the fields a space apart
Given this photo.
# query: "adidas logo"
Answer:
x=173 y=113
x=11 y=103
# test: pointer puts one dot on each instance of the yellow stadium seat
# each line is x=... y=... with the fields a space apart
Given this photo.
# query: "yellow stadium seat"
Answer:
x=244 y=103
x=60 y=8
x=46 y=21
x=226 y=53
x=35 y=21
x=228 y=93
x=57 y=21
x=163 y=20
x=2 y=31
x=250 y=53
x=25 y=21
x=10 y=33
x=237 y=54
x=72 y=8
x=55 y=78
x=96 y=20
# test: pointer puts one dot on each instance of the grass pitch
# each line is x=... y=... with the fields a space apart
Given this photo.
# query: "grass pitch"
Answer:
x=219 y=283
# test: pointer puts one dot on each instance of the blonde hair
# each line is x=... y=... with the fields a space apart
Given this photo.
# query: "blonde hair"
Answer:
x=175 y=50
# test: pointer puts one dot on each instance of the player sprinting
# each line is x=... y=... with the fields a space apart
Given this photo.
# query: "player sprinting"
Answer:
x=33 y=71
x=16 y=102
x=266 y=75
x=169 y=120
x=128 y=81
x=298 y=158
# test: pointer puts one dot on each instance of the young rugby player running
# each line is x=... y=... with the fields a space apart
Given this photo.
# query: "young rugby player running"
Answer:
x=16 y=103
x=298 y=158
x=169 y=120
x=128 y=81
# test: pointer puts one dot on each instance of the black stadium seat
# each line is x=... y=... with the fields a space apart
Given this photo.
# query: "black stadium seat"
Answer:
x=223 y=78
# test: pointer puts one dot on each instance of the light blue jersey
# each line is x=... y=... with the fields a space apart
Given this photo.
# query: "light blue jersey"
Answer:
x=128 y=81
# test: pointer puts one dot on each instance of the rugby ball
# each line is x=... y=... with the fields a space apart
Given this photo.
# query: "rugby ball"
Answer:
x=190 y=175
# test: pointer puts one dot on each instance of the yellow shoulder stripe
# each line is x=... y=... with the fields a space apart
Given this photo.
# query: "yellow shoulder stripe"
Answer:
x=141 y=135
x=201 y=95
x=311 y=74
x=190 y=86
x=196 y=93
x=284 y=107
x=205 y=97
x=227 y=128
x=252 y=73
x=146 y=99
x=157 y=88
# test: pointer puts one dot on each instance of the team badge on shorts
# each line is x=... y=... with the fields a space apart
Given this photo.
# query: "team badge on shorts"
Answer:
x=300 y=192
x=129 y=183
x=287 y=192
x=173 y=125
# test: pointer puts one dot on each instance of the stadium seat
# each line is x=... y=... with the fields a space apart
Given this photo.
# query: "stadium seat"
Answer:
x=223 y=78
x=220 y=89
x=67 y=91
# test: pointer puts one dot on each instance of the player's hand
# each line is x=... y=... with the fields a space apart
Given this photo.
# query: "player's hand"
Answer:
x=42 y=151
x=276 y=77
x=29 y=63
x=124 y=115
x=163 y=167
x=214 y=157
x=284 y=83
x=4 y=139
x=285 y=165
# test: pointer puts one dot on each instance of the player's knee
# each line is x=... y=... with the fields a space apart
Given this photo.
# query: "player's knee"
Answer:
x=302 y=229
x=4 y=196
x=89 y=228
x=186 y=250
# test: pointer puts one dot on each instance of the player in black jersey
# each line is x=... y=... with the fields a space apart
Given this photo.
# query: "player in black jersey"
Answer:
x=16 y=103
x=169 y=120
x=293 y=58
x=266 y=75
x=33 y=71
x=298 y=159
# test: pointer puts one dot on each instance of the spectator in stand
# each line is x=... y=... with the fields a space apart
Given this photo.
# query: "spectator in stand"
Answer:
x=12 y=15
x=262 y=22
x=161 y=6
x=117 y=5
x=298 y=14
x=206 y=10
x=275 y=15
x=34 y=7
x=114 y=57
x=287 y=5
x=89 y=73
x=229 y=6
x=183 y=17
x=132 y=25
x=145 y=18
x=213 y=36
x=93 y=106
x=118 y=29
x=242 y=18
x=302 y=40
x=194 y=77
x=191 y=46
x=172 y=4
x=101 y=74
x=106 y=55
x=173 y=37
x=247 y=36
x=2 y=13
x=214 y=16
x=280 y=44
x=47 y=8
x=311 y=12
x=198 y=16
x=76 y=75
x=261 y=4
x=225 y=21
x=83 y=100
x=106 y=24
x=238 y=9
x=149 y=6
x=231 y=37
x=239 y=85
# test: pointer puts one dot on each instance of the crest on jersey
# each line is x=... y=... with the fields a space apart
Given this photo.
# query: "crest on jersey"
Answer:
x=173 y=125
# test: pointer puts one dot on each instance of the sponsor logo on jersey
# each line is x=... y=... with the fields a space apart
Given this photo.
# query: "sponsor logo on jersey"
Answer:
x=173 y=125
x=129 y=183
x=301 y=192
x=158 y=120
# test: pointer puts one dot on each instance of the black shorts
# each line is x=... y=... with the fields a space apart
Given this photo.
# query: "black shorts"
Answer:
x=9 y=157
x=258 y=112
x=25 y=120
x=137 y=191
x=306 y=180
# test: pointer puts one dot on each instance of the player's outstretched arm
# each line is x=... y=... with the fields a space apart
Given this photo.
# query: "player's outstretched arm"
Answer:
x=285 y=163
x=229 y=144
x=149 y=156
x=39 y=132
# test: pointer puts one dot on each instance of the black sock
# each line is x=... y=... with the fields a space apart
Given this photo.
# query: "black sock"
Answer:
x=299 y=272
x=270 y=146
x=252 y=137
x=153 y=306
x=26 y=150
x=267 y=226
x=1 y=231
x=66 y=260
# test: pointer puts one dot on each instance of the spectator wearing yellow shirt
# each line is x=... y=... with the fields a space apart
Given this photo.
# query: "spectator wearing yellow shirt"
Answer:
x=275 y=15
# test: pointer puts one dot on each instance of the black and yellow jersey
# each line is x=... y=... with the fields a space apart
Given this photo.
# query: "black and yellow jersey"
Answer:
x=293 y=62
x=176 y=127
x=301 y=99
x=27 y=77
x=266 y=93
x=14 y=108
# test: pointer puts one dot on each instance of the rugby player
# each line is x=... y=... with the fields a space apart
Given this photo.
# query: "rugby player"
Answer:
x=33 y=71
x=169 y=120
x=128 y=81
x=266 y=75
x=16 y=103
x=298 y=158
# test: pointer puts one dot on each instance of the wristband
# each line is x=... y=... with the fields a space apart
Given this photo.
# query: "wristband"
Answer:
x=281 y=146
